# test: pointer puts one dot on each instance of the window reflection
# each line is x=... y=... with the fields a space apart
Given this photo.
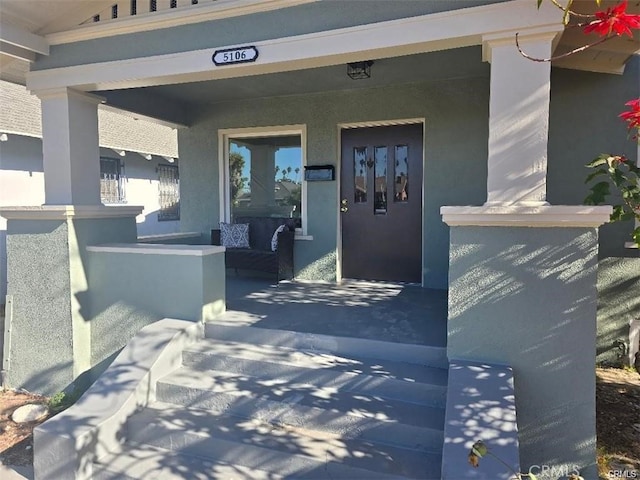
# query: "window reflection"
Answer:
x=401 y=183
x=380 y=180
x=360 y=174
x=265 y=176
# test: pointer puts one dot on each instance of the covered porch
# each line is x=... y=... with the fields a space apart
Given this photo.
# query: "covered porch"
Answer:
x=502 y=232
x=385 y=311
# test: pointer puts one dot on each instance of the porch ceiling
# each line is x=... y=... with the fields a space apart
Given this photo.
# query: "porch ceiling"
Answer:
x=434 y=66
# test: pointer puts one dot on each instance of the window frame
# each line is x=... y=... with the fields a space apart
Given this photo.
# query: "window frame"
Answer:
x=163 y=216
x=224 y=137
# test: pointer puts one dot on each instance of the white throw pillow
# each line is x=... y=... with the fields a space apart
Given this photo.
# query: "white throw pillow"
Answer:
x=234 y=235
x=274 y=239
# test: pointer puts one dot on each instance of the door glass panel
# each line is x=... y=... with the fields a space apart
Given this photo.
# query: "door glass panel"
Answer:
x=401 y=182
x=360 y=174
x=380 y=180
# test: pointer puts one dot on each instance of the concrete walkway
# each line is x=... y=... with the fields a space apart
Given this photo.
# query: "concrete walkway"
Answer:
x=16 y=473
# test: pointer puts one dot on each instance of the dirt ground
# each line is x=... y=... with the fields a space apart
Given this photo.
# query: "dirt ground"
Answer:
x=617 y=408
x=16 y=446
x=618 y=421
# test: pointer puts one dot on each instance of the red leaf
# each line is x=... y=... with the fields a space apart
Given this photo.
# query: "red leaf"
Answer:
x=614 y=21
x=632 y=117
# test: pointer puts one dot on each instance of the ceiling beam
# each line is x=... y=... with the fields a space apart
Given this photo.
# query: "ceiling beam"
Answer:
x=23 y=39
x=17 y=52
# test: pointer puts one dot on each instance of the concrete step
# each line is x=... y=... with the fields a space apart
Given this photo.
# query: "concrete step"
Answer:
x=306 y=406
x=349 y=346
x=258 y=403
x=147 y=462
x=283 y=450
x=137 y=462
x=275 y=365
x=218 y=354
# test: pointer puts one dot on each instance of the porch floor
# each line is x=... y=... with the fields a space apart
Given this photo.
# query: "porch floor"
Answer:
x=391 y=312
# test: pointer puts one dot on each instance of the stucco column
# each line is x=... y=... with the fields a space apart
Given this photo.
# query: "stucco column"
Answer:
x=71 y=155
x=522 y=273
x=49 y=347
x=518 y=117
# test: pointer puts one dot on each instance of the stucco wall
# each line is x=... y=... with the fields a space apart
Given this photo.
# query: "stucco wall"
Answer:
x=131 y=290
x=455 y=152
x=618 y=304
x=47 y=279
x=39 y=281
x=573 y=142
x=526 y=297
x=583 y=124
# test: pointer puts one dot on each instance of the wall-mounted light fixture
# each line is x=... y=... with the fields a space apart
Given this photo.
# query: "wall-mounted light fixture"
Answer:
x=168 y=159
x=122 y=153
x=4 y=137
x=146 y=156
x=359 y=70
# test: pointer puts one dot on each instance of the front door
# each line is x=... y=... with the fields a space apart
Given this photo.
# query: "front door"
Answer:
x=381 y=203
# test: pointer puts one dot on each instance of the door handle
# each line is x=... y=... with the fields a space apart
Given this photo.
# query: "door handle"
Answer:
x=343 y=205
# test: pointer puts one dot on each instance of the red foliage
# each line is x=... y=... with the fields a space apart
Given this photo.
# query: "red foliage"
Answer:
x=632 y=117
x=614 y=21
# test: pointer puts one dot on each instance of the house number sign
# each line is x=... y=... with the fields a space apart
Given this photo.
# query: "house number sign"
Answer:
x=229 y=56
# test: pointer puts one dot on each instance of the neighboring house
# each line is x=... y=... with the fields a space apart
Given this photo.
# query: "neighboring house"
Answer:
x=441 y=156
x=138 y=165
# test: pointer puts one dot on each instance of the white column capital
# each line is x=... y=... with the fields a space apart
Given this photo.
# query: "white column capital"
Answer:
x=66 y=92
x=549 y=34
x=542 y=216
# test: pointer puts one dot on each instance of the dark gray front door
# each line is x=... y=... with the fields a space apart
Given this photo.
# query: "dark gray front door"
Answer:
x=381 y=203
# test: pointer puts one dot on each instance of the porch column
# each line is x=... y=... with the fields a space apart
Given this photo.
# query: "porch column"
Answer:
x=518 y=118
x=522 y=275
x=71 y=154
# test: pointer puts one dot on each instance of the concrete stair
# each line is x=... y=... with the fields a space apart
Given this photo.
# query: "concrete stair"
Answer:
x=254 y=403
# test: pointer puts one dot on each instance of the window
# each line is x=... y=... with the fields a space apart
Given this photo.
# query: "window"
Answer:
x=112 y=181
x=169 y=190
x=264 y=175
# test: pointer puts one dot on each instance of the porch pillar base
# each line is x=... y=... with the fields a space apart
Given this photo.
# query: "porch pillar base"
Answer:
x=526 y=297
x=47 y=282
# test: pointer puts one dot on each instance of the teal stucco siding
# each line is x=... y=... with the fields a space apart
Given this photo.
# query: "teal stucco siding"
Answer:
x=48 y=282
x=131 y=290
x=583 y=124
x=526 y=297
x=41 y=357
